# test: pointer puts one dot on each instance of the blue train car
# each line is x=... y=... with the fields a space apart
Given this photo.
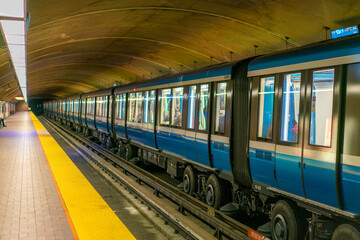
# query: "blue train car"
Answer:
x=301 y=102
x=181 y=125
x=275 y=134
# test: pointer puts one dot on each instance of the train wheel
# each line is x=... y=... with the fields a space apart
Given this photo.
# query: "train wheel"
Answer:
x=216 y=192
x=130 y=152
x=346 y=232
x=122 y=149
x=287 y=222
x=189 y=180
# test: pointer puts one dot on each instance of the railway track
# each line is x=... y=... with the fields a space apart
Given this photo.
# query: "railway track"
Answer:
x=222 y=224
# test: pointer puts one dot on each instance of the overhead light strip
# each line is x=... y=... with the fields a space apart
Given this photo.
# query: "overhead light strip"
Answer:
x=15 y=36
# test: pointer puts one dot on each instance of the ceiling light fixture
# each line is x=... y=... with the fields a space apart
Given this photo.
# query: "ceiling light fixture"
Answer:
x=13 y=24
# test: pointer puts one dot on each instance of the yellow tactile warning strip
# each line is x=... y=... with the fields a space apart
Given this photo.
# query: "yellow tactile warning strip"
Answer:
x=89 y=213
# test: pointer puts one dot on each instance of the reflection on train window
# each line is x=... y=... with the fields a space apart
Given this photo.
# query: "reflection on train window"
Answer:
x=139 y=109
x=177 y=105
x=266 y=107
x=110 y=104
x=119 y=112
x=83 y=104
x=101 y=106
x=203 y=106
x=165 y=106
x=146 y=106
x=104 y=106
x=220 y=107
x=152 y=107
x=290 y=107
x=191 y=110
x=76 y=106
x=90 y=106
x=132 y=105
x=98 y=106
x=64 y=107
x=321 y=107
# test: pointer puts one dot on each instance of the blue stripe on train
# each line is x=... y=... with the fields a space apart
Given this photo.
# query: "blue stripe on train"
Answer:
x=262 y=166
x=90 y=123
x=319 y=176
x=320 y=181
x=221 y=157
x=102 y=126
x=171 y=142
x=120 y=131
x=350 y=176
x=185 y=146
x=288 y=173
x=135 y=134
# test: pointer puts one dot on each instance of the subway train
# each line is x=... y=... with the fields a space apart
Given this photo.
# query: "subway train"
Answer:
x=276 y=135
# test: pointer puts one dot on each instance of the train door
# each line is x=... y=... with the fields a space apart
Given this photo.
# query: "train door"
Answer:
x=135 y=117
x=149 y=118
x=83 y=112
x=262 y=134
x=190 y=128
x=288 y=150
x=320 y=135
x=119 y=116
x=109 y=113
x=170 y=133
x=202 y=124
x=221 y=126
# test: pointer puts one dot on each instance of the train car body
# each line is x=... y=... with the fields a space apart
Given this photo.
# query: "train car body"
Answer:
x=265 y=134
x=302 y=131
x=174 y=115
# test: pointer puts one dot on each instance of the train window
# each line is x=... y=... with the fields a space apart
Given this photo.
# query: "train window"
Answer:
x=146 y=106
x=220 y=107
x=191 y=110
x=110 y=104
x=104 y=106
x=76 y=106
x=165 y=106
x=266 y=107
x=139 y=108
x=90 y=106
x=123 y=101
x=321 y=107
x=99 y=106
x=152 y=107
x=290 y=107
x=132 y=105
x=120 y=106
x=177 y=105
x=203 y=106
x=83 y=106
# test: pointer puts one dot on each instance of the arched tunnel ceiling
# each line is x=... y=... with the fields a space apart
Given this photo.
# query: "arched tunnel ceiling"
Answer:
x=84 y=45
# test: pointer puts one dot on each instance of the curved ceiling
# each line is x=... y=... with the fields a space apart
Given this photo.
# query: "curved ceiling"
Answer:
x=84 y=45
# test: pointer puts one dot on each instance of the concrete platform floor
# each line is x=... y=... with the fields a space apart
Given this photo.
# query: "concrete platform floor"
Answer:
x=30 y=207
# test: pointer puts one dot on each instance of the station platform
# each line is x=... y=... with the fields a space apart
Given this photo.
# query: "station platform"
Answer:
x=43 y=195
